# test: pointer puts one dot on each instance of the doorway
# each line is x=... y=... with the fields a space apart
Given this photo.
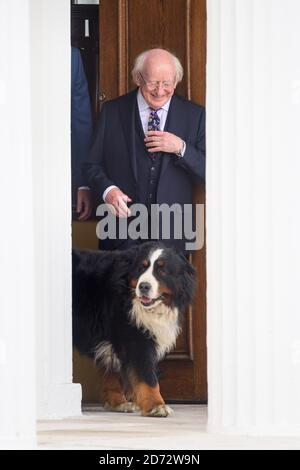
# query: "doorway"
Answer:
x=126 y=28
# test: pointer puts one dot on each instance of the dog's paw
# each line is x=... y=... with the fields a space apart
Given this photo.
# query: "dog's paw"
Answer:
x=160 y=411
x=126 y=407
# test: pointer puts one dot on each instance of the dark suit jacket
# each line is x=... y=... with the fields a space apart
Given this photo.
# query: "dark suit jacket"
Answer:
x=81 y=121
x=112 y=159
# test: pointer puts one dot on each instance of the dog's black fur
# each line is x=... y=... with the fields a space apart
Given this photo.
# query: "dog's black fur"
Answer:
x=116 y=324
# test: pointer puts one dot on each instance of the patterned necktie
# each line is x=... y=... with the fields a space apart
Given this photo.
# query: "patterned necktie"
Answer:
x=153 y=125
x=154 y=121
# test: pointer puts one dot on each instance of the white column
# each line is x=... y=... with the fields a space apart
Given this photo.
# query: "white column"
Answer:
x=51 y=54
x=17 y=332
x=253 y=222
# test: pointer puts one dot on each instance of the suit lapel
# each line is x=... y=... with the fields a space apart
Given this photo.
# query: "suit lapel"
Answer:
x=127 y=114
x=173 y=125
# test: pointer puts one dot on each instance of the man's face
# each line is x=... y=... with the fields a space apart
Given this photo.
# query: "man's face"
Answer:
x=157 y=83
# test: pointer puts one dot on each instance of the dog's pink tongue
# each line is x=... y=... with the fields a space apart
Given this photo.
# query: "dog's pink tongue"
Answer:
x=146 y=300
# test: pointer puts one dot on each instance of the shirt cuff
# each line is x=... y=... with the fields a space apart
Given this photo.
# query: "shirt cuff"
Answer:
x=107 y=191
x=182 y=152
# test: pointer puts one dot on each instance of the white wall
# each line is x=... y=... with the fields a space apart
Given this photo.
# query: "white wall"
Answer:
x=17 y=329
x=253 y=223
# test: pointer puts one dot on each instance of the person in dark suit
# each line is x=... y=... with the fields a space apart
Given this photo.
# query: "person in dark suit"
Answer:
x=81 y=133
x=149 y=145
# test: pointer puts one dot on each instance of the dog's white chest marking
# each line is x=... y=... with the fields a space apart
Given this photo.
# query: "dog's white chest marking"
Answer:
x=161 y=322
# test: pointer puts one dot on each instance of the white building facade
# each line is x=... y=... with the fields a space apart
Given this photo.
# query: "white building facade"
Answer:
x=253 y=228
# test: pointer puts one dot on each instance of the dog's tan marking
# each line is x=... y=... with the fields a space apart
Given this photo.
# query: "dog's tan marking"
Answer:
x=150 y=401
x=133 y=283
x=114 y=398
x=163 y=289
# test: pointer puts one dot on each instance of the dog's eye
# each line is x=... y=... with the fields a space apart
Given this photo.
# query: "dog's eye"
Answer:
x=161 y=267
x=143 y=266
x=161 y=270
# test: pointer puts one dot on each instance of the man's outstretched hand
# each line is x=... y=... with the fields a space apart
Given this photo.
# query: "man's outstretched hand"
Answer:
x=118 y=200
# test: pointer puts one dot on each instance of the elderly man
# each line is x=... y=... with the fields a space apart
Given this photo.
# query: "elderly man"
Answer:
x=149 y=146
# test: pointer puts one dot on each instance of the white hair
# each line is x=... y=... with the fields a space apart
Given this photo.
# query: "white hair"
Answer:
x=140 y=62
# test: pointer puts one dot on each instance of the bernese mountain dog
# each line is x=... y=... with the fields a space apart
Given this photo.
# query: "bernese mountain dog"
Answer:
x=126 y=315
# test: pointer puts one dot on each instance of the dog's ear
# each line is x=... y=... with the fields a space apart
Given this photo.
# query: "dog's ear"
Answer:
x=187 y=282
x=125 y=261
x=130 y=256
x=187 y=264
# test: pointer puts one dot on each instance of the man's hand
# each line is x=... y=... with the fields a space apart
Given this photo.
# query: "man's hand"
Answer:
x=84 y=204
x=118 y=200
x=159 y=141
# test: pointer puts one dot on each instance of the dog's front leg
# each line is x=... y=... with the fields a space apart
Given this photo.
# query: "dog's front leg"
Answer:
x=150 y=401
x=147 y=396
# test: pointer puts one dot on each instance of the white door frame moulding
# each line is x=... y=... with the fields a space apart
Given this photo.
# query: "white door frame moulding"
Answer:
x=57 y=396
x=17 y=276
